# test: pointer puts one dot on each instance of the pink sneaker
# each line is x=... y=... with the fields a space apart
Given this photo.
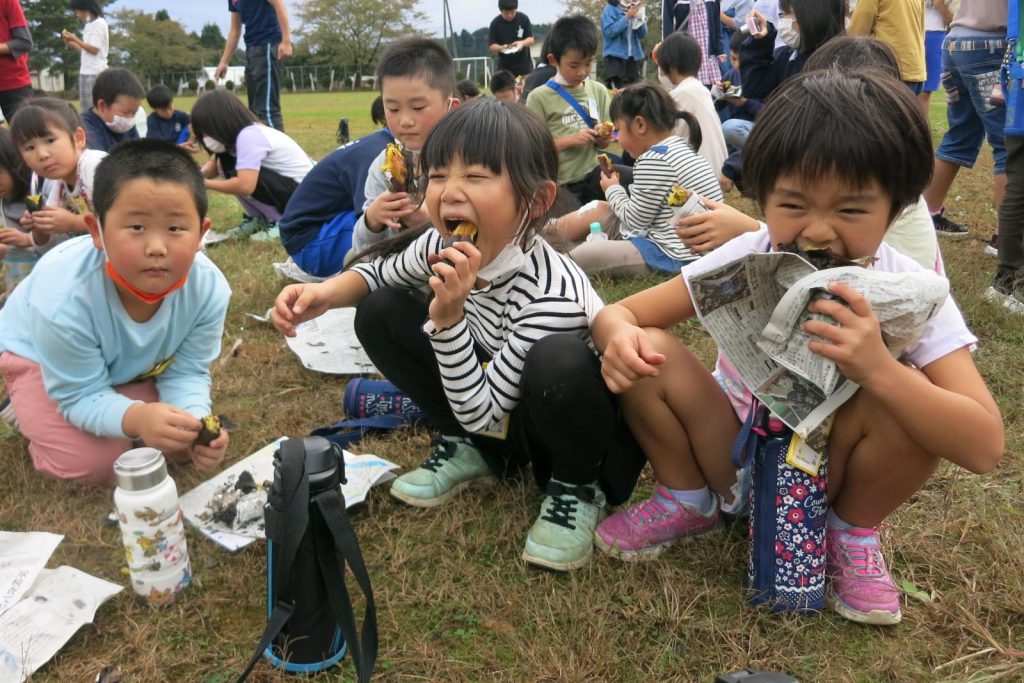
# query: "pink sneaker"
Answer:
x=861 y=588
x=642 y=531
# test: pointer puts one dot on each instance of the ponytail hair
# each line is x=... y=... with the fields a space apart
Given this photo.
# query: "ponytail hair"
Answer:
x=658 y=109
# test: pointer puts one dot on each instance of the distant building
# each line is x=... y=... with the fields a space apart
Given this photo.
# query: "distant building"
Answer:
x=43 y=80
x=235 y=74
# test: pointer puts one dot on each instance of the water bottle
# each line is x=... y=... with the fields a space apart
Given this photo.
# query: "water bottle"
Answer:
x=151 y=526
x=596 y=234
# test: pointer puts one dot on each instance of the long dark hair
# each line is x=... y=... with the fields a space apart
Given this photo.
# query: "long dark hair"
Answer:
x=820 y=21
x=220 y=115
x=11 y=161
x=653 y=103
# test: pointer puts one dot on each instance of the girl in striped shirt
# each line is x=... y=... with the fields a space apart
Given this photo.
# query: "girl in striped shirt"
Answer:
x=643 y=232
x=501 y=358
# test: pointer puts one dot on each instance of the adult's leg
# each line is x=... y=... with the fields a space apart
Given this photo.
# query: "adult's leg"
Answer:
x=10 y=100
x=262 y=75
x=943 y=175
x=58 y=448
x=1011 y=213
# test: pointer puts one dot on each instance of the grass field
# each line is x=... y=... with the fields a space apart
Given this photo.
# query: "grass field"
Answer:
x=455 y=601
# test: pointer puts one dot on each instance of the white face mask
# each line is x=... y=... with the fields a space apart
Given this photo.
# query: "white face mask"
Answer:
x=213 y=145
x=121 y=124
x=557 y=78
x=790 y=36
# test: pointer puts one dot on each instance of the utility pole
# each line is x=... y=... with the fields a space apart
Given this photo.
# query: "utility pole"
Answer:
x=448 y=30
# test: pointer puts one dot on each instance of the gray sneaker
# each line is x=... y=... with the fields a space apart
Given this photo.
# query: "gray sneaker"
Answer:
x=455 y=464
x=249 y=226
x=1008 y=292
x=562 y=538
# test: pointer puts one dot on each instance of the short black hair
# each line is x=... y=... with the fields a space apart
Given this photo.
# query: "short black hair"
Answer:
x=37 y=116
x=12 y=162
x=418 y=57
x=502 y=80
x=159 y=97
x=680 y=52
x=377 y=112
x=114 y=82
x=508 y=4
x=220 y=115
x=820 y=21
x=574 y=32
x=158 y=160
x=467 y=89
x=91 y=6
x=847 y=53
x=805 y=126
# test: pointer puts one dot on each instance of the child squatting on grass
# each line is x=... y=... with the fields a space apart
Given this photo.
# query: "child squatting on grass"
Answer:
x=819 y=187
x=109 y=340
x=503 y=366
x=50 y=137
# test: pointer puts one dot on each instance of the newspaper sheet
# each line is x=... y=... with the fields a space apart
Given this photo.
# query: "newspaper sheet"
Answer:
x=22 y=556
x=60 y=602
x=362 y=472
x=328 y=344
x=755 y=307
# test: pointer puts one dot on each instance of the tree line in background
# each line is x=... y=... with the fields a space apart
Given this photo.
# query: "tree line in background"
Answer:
x=350 y=33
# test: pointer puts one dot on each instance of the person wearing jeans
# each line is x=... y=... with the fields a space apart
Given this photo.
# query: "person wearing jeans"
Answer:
x=971 y=57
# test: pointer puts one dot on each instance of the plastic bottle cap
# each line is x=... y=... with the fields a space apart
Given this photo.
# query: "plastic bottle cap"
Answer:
x=140 y=469
x=595 y=227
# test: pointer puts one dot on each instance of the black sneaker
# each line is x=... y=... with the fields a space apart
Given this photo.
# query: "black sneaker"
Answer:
x=992 y=248
x=944 y=226
x=1007 y=291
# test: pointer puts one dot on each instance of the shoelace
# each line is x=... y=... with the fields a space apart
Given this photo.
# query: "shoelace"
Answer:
x=865 y=560
x=562 y=511
x=564 y=499
x=444 y=450
x=648 y=511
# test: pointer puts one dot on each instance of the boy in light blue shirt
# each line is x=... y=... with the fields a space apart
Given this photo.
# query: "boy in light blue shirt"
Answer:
x=108 y=343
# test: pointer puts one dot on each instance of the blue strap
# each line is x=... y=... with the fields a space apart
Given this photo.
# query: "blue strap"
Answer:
x=745 y=446
x=356 y=428
x=587 y=118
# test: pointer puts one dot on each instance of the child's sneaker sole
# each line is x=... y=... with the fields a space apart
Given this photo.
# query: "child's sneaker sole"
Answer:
x=876 y=617
x=557 y=566
x=481 y=482
x=651 y=552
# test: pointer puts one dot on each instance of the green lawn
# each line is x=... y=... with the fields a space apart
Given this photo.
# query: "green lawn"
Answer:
x=456 y=602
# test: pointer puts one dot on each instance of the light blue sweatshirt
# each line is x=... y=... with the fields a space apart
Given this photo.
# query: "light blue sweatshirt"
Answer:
x=67 y=317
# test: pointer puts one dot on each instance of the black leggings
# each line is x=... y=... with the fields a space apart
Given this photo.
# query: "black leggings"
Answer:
x=272 y=188
x=567 y=423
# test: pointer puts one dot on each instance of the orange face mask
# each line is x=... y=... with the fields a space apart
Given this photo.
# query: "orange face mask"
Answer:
x=144 y=297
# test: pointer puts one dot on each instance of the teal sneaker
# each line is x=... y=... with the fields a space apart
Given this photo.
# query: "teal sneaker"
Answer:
x=249 y=226
x=271 y=234
x=455 y=464
x=562 y=538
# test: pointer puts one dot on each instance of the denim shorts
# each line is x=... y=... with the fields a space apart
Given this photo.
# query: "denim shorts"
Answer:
x=970 y=69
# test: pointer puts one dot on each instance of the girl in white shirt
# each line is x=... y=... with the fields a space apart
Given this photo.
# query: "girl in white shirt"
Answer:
x=94 y=46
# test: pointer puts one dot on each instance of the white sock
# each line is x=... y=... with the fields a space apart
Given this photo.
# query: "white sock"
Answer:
x=836 y=522
x=700 y=500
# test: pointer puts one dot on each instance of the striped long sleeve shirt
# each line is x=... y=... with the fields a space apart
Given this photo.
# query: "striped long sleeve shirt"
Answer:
x=548 y=294
x=645 y=210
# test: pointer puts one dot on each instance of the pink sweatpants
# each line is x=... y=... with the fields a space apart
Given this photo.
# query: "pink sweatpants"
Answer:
x=57 y=447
